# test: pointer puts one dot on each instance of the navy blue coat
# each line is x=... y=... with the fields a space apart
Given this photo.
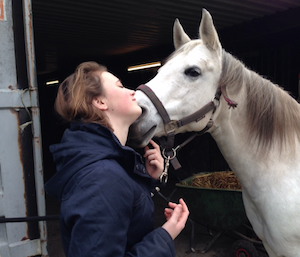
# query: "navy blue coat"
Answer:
x=104 y=189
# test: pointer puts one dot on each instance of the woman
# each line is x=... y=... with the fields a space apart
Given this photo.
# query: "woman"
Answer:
x=104 y=188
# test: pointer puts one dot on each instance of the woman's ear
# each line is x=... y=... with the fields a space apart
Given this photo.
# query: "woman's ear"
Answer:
x=99 y=103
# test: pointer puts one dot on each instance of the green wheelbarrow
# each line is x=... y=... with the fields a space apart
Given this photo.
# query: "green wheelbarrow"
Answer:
x=221 y=210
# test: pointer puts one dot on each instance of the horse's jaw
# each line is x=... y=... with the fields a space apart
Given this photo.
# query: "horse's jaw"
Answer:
x=139 y=137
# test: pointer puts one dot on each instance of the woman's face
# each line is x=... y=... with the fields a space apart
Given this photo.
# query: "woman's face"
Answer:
x=120 y=101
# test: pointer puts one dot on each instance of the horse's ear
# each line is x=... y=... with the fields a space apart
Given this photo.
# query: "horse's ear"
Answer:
x=179 y=36
x=208 y=33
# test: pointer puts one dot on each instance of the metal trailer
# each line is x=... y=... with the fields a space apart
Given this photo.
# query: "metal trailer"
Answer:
x=21 y=169
x=221 y=210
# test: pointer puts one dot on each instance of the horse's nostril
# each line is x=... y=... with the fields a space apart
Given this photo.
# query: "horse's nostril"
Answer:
x=144 y=110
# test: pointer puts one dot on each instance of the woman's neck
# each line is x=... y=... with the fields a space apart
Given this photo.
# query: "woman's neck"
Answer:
x=121 y=135
x=120 y=131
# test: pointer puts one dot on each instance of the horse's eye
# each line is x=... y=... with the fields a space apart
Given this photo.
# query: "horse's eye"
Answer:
x=193 y=72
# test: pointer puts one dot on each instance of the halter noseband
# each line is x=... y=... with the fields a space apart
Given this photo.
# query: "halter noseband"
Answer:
x=171 y=126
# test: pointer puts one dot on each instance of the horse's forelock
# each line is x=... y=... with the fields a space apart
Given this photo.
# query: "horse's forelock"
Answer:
x=184 y=49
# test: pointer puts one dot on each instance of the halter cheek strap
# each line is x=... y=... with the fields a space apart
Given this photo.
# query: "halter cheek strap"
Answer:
x=171 y=125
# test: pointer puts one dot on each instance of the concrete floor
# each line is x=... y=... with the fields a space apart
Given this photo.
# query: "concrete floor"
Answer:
x=183 y=243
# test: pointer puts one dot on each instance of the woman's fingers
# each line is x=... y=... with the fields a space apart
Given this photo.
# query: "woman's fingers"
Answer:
x=153 y=160
x=168 y=213
x=155 y=146
x=172 y=205
x=176 y=216
x=185 y=212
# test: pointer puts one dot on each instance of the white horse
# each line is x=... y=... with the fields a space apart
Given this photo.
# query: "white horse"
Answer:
x=258 y=137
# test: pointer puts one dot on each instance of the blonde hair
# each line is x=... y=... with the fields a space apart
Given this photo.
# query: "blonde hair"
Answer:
x=76 y=93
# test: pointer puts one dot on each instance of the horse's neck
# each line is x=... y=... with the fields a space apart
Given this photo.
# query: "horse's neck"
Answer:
x=230 y=134
x=231 y=139
x=242 y=154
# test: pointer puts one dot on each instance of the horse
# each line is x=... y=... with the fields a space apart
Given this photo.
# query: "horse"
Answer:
x=255 y=123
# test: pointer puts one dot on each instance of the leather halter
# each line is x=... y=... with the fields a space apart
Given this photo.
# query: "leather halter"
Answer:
x=171 y=126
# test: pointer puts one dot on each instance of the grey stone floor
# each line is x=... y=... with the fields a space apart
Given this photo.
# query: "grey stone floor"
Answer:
x=184 y=245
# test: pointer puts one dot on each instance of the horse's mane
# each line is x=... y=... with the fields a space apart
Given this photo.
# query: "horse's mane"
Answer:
x=272 y=115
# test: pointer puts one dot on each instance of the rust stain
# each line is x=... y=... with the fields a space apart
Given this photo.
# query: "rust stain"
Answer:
x=12 y=87
x=31 y=45
x=21 y=162
x=34 y=110
x=1 y=10
x=24 y=238
x=44 y=230
x=37 y=140
x=14 y=112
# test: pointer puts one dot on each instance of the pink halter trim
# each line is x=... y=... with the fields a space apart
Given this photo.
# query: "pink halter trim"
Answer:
x=230 y=102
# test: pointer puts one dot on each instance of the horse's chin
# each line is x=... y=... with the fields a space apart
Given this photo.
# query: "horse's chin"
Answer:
x=141 y=141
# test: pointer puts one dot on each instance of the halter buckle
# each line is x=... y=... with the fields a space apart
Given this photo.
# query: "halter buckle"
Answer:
x=171 y=127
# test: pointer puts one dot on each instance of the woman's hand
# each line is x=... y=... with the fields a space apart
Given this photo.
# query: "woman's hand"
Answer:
x=154 y=160
x=176 y=216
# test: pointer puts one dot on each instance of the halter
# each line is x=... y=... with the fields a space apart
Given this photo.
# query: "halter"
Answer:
x=171 y=126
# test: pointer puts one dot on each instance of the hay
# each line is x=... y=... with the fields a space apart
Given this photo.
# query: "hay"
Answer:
x=218 y=179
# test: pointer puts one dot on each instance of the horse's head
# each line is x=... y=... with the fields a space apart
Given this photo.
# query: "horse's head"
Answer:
x=187 y=82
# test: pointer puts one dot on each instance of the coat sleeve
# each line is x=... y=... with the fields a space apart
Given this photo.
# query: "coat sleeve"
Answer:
x=97 y=218
x=158 y=243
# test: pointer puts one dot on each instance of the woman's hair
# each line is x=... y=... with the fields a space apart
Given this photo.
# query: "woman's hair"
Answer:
x=76 y=93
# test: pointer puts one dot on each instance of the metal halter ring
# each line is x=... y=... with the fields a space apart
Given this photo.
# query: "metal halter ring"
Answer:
x=169 y=157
